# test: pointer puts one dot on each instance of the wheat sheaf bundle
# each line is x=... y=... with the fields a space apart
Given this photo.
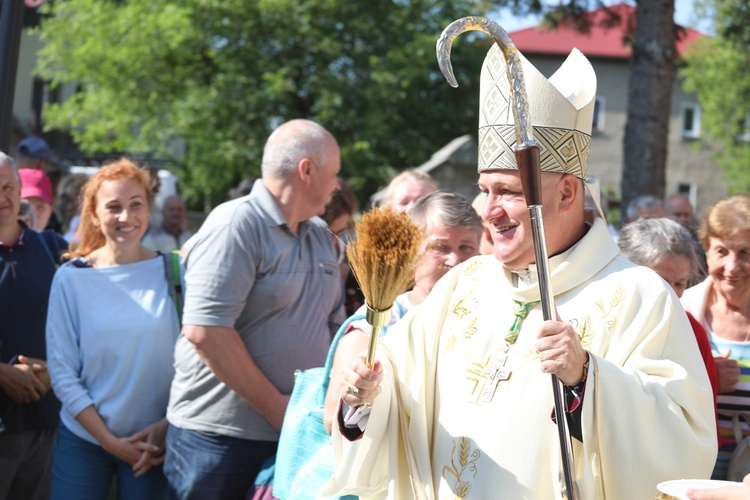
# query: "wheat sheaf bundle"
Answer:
x=382 y=258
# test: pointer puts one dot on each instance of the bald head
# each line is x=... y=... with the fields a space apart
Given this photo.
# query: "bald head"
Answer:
x=680 y=209
x=292 y=142
x=644 y=206
x=173 y=200
x=173 y=214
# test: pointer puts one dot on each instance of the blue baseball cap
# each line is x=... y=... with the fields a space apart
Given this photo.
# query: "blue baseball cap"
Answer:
x=34 y=147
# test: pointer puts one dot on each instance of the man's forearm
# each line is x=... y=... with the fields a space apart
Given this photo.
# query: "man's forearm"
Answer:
x=226 y=356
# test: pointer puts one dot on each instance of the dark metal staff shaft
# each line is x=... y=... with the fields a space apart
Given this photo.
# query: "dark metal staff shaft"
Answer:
x=527 y=158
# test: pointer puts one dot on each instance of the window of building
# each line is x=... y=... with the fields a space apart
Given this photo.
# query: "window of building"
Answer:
x=600 y=105
x=745 y=135
x=688 y=189
x=691 y=120
x=42 y=94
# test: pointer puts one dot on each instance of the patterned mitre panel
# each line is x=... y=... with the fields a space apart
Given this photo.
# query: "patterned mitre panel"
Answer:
x=563 y=146
x=564 y=151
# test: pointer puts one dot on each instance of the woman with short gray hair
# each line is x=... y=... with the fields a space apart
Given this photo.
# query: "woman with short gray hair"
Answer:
x=451 y=230
x=664 y=246
x=668 y=248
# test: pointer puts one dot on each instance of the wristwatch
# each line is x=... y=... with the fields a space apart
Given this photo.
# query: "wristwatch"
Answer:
x=585 y=371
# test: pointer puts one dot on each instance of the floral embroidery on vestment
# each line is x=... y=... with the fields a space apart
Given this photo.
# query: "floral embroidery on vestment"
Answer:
x=606 y=307
x=462 y=465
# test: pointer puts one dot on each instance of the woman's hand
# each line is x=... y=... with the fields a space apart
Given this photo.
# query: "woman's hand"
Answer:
x=127 y=451
x=151 y=440
x=121 y=447
x=727 y=371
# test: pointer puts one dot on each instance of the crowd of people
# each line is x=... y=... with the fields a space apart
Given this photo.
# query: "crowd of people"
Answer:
x=161 y=361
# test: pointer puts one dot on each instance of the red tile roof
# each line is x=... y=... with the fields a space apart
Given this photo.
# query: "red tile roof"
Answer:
x=601 y=41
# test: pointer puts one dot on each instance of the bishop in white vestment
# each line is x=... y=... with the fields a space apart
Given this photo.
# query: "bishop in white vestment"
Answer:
x=461 y=394
x=647 y=410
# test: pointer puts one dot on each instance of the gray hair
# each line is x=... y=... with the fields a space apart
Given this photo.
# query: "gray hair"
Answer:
x=290 y=143
x=8 y=160
x=643 y=201
x=647 y=242
x=452 y=209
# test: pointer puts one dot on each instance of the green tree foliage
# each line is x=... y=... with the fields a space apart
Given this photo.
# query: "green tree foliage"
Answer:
x=218 y=75
x=717 y=71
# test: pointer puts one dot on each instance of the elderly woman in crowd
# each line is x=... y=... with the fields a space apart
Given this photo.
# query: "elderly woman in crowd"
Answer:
x=406 y=188
x=721 y=304
x=111 y=330
x=668 y=248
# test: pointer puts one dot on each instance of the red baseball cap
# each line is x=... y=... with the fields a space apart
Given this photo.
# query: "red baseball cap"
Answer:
x=35 y=183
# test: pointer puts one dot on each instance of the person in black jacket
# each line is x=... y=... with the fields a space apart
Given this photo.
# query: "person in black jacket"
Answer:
x=28 y=408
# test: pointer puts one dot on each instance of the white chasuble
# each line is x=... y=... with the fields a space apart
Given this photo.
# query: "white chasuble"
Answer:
x=647 y=414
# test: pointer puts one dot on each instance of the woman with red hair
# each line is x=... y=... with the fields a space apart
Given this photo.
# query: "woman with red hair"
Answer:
x=111 y=331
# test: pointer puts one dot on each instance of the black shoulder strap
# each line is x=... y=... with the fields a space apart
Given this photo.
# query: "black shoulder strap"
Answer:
x=174 y=281
x=43 y=239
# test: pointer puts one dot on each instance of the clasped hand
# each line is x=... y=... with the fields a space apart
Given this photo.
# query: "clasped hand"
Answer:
x=727 y=371
x=142 y=450
x=26 y=381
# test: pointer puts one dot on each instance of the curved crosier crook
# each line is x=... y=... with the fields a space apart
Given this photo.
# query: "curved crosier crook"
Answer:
x=524 y=133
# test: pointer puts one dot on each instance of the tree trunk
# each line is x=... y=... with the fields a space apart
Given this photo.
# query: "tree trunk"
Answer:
x=649 y=98
x=11 y=16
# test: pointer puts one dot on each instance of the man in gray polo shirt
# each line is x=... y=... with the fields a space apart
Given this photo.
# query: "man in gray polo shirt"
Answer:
x=263 y=296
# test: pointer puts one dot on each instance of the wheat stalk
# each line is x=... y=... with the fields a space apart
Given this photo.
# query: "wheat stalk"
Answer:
x=382 y=258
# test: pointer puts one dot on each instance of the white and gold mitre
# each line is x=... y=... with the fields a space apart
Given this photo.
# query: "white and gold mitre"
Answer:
x=561 y=111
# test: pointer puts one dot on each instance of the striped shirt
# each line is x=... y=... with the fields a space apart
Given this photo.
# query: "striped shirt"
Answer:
x=732 y=403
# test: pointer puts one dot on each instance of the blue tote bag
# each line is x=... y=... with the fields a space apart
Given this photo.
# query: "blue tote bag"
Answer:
x=304 y=460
